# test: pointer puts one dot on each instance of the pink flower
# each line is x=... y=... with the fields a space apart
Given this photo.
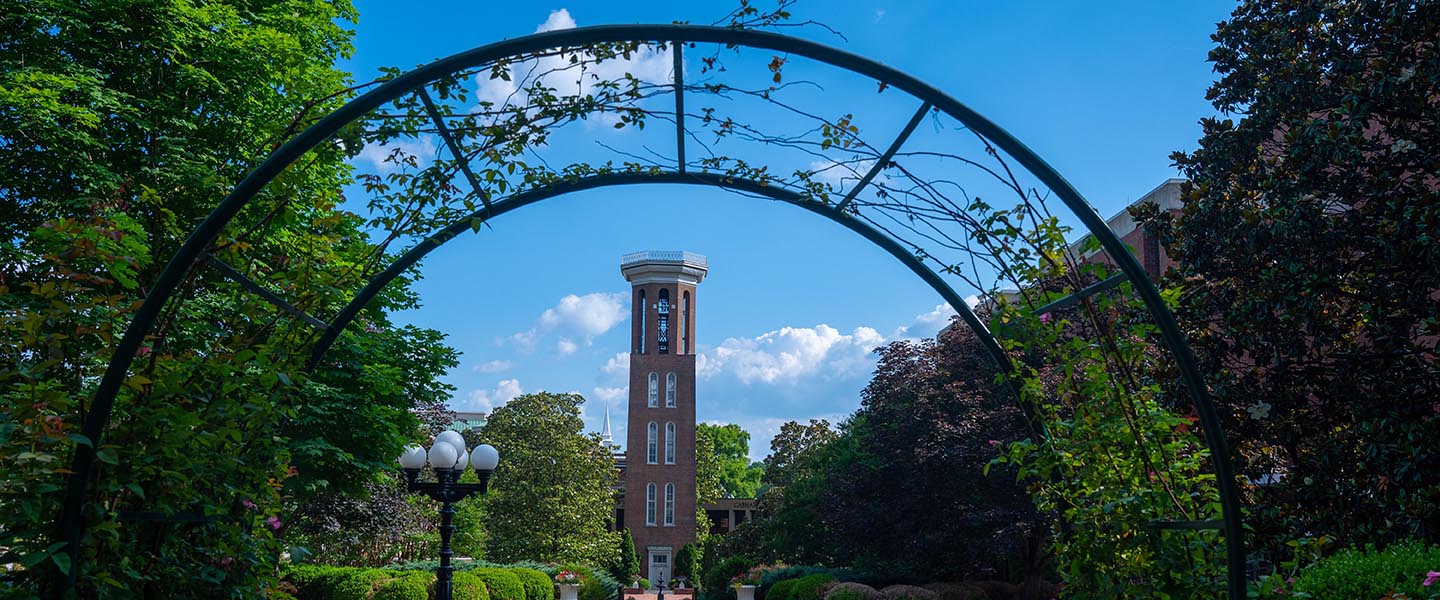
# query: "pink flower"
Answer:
x=1431 y=578
x=1045 y=318
x=248 y=504
x=274 y=522
x=994 y=442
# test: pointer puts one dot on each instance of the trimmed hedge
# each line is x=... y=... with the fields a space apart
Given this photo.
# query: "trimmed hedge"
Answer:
x=317 y=582
x=1352 y=573
x=780 y=590
x=908 y=592
x=468 y=587
x=854 y=591
x=538 y=585
x=811 y=587
x=410 y=586
x=360 y=585
x=501 y=583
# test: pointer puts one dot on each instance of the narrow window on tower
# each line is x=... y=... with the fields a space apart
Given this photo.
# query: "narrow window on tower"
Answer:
x=685 y=324
x=654 y=400
x=662 y=322
x=650 y=435
x=650 y=504
x=670 y=390
x=670 y=443
x=669 y=505
x=643 y=310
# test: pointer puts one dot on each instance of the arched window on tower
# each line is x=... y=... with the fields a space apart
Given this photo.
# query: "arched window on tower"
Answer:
x=654 y=400
x=670 y=443
x=650 y=434
x=669 y=390
x=662 y=322
x=685 y=324
x=650 y=504
x=643 y=311
x=669 y=505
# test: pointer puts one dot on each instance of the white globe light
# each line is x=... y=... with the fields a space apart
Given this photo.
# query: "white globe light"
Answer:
x=462 y=459
x=484 y=458
x=443 y=456
x=413 y=457
x=452 y=436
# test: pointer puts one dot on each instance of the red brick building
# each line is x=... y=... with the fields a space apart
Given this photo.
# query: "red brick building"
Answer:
x=659 y=463
x=1146 y=247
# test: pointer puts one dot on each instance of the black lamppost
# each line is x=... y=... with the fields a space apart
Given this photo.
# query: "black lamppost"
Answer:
x=448 y=459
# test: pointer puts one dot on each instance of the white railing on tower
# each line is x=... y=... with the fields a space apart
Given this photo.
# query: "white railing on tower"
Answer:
x=664 y=255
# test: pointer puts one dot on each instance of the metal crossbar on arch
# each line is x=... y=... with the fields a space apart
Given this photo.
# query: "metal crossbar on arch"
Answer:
x=70 y=526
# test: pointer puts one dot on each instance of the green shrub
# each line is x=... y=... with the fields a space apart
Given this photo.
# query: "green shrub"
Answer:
x=717 y=579
x=538 y=585
x=360 y=585
x=856 y=591
x=811 y=587
x=411 y=586
x=595 y=584
x=501 y=583
x=687 y=562
x=779 y=590
x=1352 y=574
x=774 y=576
x=317 y=582
x=468 y=587
x=644 y=583
x=908 y=592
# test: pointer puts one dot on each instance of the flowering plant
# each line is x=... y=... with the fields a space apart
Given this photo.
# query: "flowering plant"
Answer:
x=567 y=578
x=750 y=577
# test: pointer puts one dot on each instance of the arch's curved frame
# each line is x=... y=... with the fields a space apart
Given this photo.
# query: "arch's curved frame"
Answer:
x=71 y=527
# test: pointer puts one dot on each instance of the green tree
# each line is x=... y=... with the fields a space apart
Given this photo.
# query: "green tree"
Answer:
x=627 y=562
x=738 y=477
x=1309 y=271
x=123 y=123
x=790 y=448
x=552 y=496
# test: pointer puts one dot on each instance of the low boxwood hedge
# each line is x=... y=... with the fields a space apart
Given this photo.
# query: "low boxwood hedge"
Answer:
x=1349 y=574
x=360 y=584
x=538 y=585
x=501 y=583
x=410 y=586
x=468 y=587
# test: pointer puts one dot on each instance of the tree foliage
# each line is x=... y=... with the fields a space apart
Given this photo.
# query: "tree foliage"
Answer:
x=122 y=124
x=1309 y=264
x=738 y=476
x=552 y=495
x=902 y=489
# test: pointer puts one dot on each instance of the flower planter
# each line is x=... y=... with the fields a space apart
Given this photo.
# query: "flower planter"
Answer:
x=745 y=592
x=568 y=591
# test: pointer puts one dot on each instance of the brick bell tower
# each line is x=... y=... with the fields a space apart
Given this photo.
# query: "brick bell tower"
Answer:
x=660 y=437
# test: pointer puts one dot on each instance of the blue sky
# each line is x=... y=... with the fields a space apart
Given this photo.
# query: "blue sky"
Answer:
x=793 y=304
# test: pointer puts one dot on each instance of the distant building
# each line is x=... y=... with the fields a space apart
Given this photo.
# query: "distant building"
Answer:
x=659 y=464
x=1145 y=246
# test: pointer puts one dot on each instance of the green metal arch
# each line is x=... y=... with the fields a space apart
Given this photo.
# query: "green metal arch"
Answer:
x=70 y=525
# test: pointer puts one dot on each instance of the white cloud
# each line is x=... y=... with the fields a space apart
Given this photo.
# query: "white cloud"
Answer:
x=423 y=150
x=487 y=400
x=785 y=355
x=558 y=19
x=648 y=64
x=610 y=394
x=591 y=314
x=494 y=366
x=576 y=320
x=618 y=364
